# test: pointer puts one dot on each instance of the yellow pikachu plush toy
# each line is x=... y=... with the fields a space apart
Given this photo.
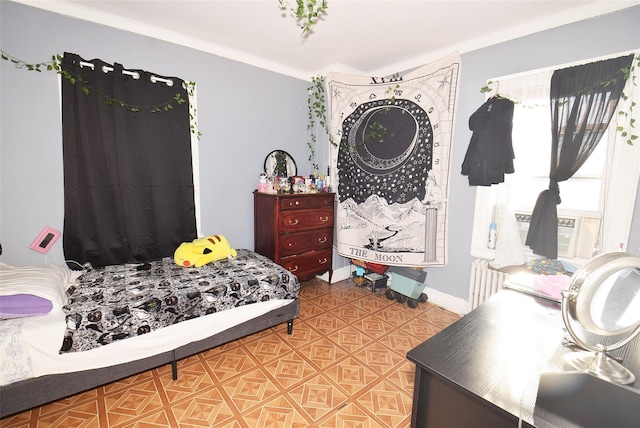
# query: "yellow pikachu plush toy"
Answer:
x=201 y=251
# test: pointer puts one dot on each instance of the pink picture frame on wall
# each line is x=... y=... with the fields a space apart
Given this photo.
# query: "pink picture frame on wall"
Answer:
x=45 y=240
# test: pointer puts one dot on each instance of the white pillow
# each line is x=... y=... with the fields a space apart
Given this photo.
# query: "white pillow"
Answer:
x=47 y=281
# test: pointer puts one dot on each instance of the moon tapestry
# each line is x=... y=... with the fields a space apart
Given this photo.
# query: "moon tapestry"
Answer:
x=391 y=166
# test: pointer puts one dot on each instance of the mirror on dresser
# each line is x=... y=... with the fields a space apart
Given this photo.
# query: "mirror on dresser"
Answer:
x=280 y=163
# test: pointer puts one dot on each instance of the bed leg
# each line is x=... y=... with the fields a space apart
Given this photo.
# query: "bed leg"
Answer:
x=174 y=369
x=290 y=327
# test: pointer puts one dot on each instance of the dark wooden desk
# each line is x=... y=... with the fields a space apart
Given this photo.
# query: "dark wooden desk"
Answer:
x=484 y=370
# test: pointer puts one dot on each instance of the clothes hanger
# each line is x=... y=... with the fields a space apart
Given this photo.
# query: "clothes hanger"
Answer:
x=496 y=94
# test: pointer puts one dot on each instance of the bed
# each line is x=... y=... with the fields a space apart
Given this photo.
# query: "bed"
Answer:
x=72 y=331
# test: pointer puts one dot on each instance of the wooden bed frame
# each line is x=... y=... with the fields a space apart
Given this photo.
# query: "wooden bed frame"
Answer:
x=23 y=395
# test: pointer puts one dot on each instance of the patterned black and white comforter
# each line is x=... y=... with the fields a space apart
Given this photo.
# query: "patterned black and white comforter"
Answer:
x=117 y=302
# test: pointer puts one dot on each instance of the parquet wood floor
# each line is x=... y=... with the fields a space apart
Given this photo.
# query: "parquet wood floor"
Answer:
x=344 y=366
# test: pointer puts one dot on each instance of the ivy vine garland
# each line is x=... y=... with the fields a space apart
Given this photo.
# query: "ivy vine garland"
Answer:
x=317 y=110
x=628 y=121
x=55 y=64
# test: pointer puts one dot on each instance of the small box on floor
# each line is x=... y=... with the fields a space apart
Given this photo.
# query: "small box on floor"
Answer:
x=375 y=280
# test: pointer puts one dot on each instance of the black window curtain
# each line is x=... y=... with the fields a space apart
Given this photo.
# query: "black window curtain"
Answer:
x=583 y=101
x=128 y=180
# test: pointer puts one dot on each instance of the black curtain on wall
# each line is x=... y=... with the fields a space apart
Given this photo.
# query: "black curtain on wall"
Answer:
x=583 y=101
x=128 y=180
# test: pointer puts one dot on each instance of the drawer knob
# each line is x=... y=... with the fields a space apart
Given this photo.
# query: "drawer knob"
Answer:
x=325 y=218
x=322 y=240
x=293 y=222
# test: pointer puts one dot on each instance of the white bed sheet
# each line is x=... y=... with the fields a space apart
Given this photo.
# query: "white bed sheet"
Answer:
x=15 y=363
x=43 y=338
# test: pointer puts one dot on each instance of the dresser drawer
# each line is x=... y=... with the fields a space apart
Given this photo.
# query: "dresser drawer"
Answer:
x=296 y=243
x=307 y=201
x=301 y=220
x=324 y=201
x=296 y=202
x=313 y=261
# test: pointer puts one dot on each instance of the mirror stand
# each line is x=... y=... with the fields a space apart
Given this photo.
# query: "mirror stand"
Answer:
x=600 y=365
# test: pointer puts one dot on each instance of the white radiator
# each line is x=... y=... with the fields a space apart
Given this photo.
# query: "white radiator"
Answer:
x=484 y=282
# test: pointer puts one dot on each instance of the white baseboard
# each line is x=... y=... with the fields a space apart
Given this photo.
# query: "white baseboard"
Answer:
x=338 y=274
x=444 y=300
x=447 y=301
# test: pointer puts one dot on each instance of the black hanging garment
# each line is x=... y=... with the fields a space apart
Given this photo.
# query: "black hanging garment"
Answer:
x=490 y=153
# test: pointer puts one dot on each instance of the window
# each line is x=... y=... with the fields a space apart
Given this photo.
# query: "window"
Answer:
x=597 y=202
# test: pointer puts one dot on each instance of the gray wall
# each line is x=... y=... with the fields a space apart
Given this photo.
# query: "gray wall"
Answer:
x=244 y=112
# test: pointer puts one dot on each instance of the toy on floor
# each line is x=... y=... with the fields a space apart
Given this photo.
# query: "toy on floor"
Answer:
x=202 y=251
x=407 y=285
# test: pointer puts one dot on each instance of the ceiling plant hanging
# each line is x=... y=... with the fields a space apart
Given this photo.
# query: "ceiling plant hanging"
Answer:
x=307 y=12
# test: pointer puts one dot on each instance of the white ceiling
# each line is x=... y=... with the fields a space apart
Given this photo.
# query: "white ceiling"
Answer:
x=371 y=37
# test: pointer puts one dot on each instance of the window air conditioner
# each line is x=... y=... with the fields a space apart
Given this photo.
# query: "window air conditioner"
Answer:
x=577 y=236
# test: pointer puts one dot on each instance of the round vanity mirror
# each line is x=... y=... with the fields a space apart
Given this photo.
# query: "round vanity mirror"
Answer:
x=601 y=310
x=280 y=163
